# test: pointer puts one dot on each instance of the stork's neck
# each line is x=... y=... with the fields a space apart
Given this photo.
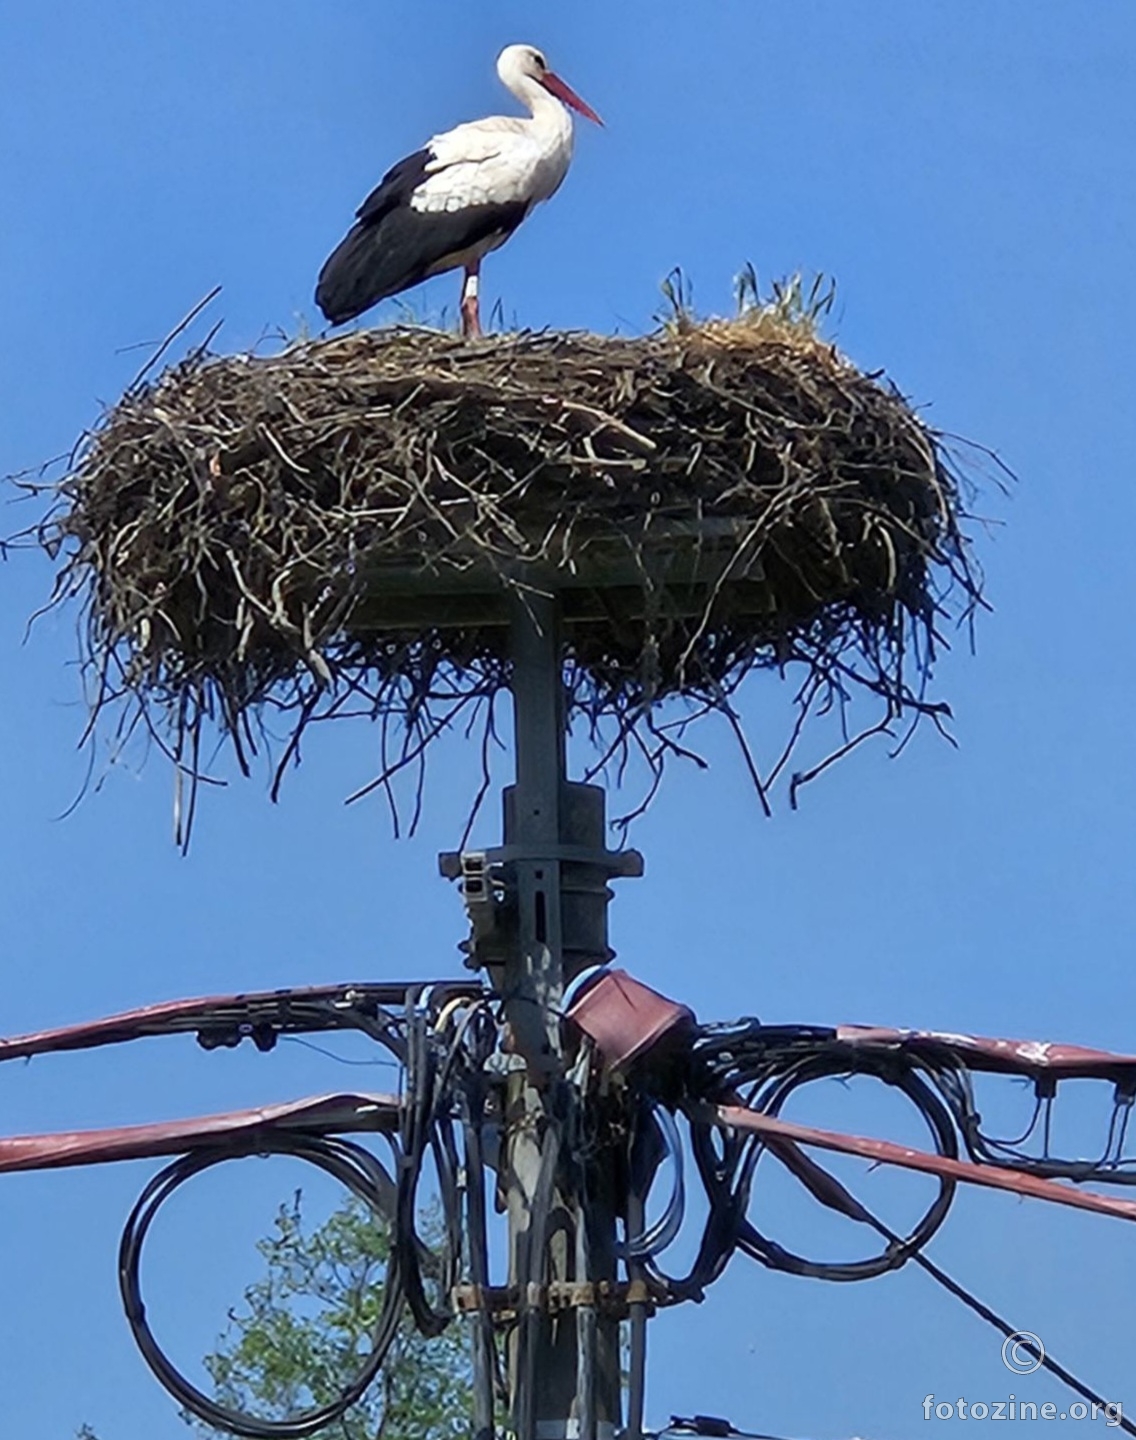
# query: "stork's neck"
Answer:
x=549 y=115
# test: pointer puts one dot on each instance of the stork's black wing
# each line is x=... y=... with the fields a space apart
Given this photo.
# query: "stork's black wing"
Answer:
x=395 y=188
x=392 y=246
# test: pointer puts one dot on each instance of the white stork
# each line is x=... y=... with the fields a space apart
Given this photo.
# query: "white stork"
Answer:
x=459 y=197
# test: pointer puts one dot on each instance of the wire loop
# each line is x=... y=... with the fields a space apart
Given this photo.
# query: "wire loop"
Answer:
x=355 y=1168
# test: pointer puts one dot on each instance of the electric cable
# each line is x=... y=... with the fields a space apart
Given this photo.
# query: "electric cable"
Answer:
x=727 y=1162
x=355 y=1168
x=831 y=1192
x=1045 y=1360
x=747 y=1055
x=645 y=1244
x=711 y=1426
x=426 y=1123
x=938 y=1118
x=950 y=1075
x=726 y=1212
x=637 y=1318
x=482 y=1348
x=587 y=1333
x=340 y=1059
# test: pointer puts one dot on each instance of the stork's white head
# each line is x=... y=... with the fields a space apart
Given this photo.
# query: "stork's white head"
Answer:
x=521 y=67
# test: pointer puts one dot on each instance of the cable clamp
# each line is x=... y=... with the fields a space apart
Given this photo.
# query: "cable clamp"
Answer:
x=505 y=1302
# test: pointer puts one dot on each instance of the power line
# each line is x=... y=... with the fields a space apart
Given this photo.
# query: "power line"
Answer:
x=832 y=1193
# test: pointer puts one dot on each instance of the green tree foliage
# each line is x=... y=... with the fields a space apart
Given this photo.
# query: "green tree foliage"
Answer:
x=304 y=1327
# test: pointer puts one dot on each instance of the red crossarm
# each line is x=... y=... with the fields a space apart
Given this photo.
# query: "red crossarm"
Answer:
x=271 y=1007
x=322 y=1114
x=1018 y=1057
x=886 y=1152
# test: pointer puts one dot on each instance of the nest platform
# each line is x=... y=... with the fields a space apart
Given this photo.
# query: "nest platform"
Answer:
x=347 y=521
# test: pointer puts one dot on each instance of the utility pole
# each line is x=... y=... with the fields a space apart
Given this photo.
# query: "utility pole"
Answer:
x=538 y=907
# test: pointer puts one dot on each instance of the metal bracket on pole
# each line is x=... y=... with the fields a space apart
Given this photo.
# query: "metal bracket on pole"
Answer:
x=487 y=880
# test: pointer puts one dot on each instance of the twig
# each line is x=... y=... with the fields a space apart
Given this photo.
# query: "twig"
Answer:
x=178 y=329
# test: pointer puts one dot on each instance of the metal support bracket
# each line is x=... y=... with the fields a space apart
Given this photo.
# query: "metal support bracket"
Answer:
x=488 y=882
x=488 y=890
x=506 y=1302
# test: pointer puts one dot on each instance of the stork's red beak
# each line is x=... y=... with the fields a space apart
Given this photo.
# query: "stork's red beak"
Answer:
x=555 y=86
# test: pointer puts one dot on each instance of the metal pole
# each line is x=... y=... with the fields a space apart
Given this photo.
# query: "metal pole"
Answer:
x=537 y=906
x=535 y=980
x=542 y=1365
x=564 y=1374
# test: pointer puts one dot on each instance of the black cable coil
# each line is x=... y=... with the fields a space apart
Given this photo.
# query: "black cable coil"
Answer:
x=938 y=1118
x=355 y=1168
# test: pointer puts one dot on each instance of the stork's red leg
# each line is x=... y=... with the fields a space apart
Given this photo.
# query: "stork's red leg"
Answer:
x=470 y=310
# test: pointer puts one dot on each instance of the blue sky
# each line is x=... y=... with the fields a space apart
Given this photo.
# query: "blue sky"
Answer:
x=966 y=172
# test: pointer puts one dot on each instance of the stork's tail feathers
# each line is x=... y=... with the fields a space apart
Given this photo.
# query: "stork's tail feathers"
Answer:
x=363 y=269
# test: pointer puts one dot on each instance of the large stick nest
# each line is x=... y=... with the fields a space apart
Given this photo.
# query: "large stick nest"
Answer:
x=339 y=526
